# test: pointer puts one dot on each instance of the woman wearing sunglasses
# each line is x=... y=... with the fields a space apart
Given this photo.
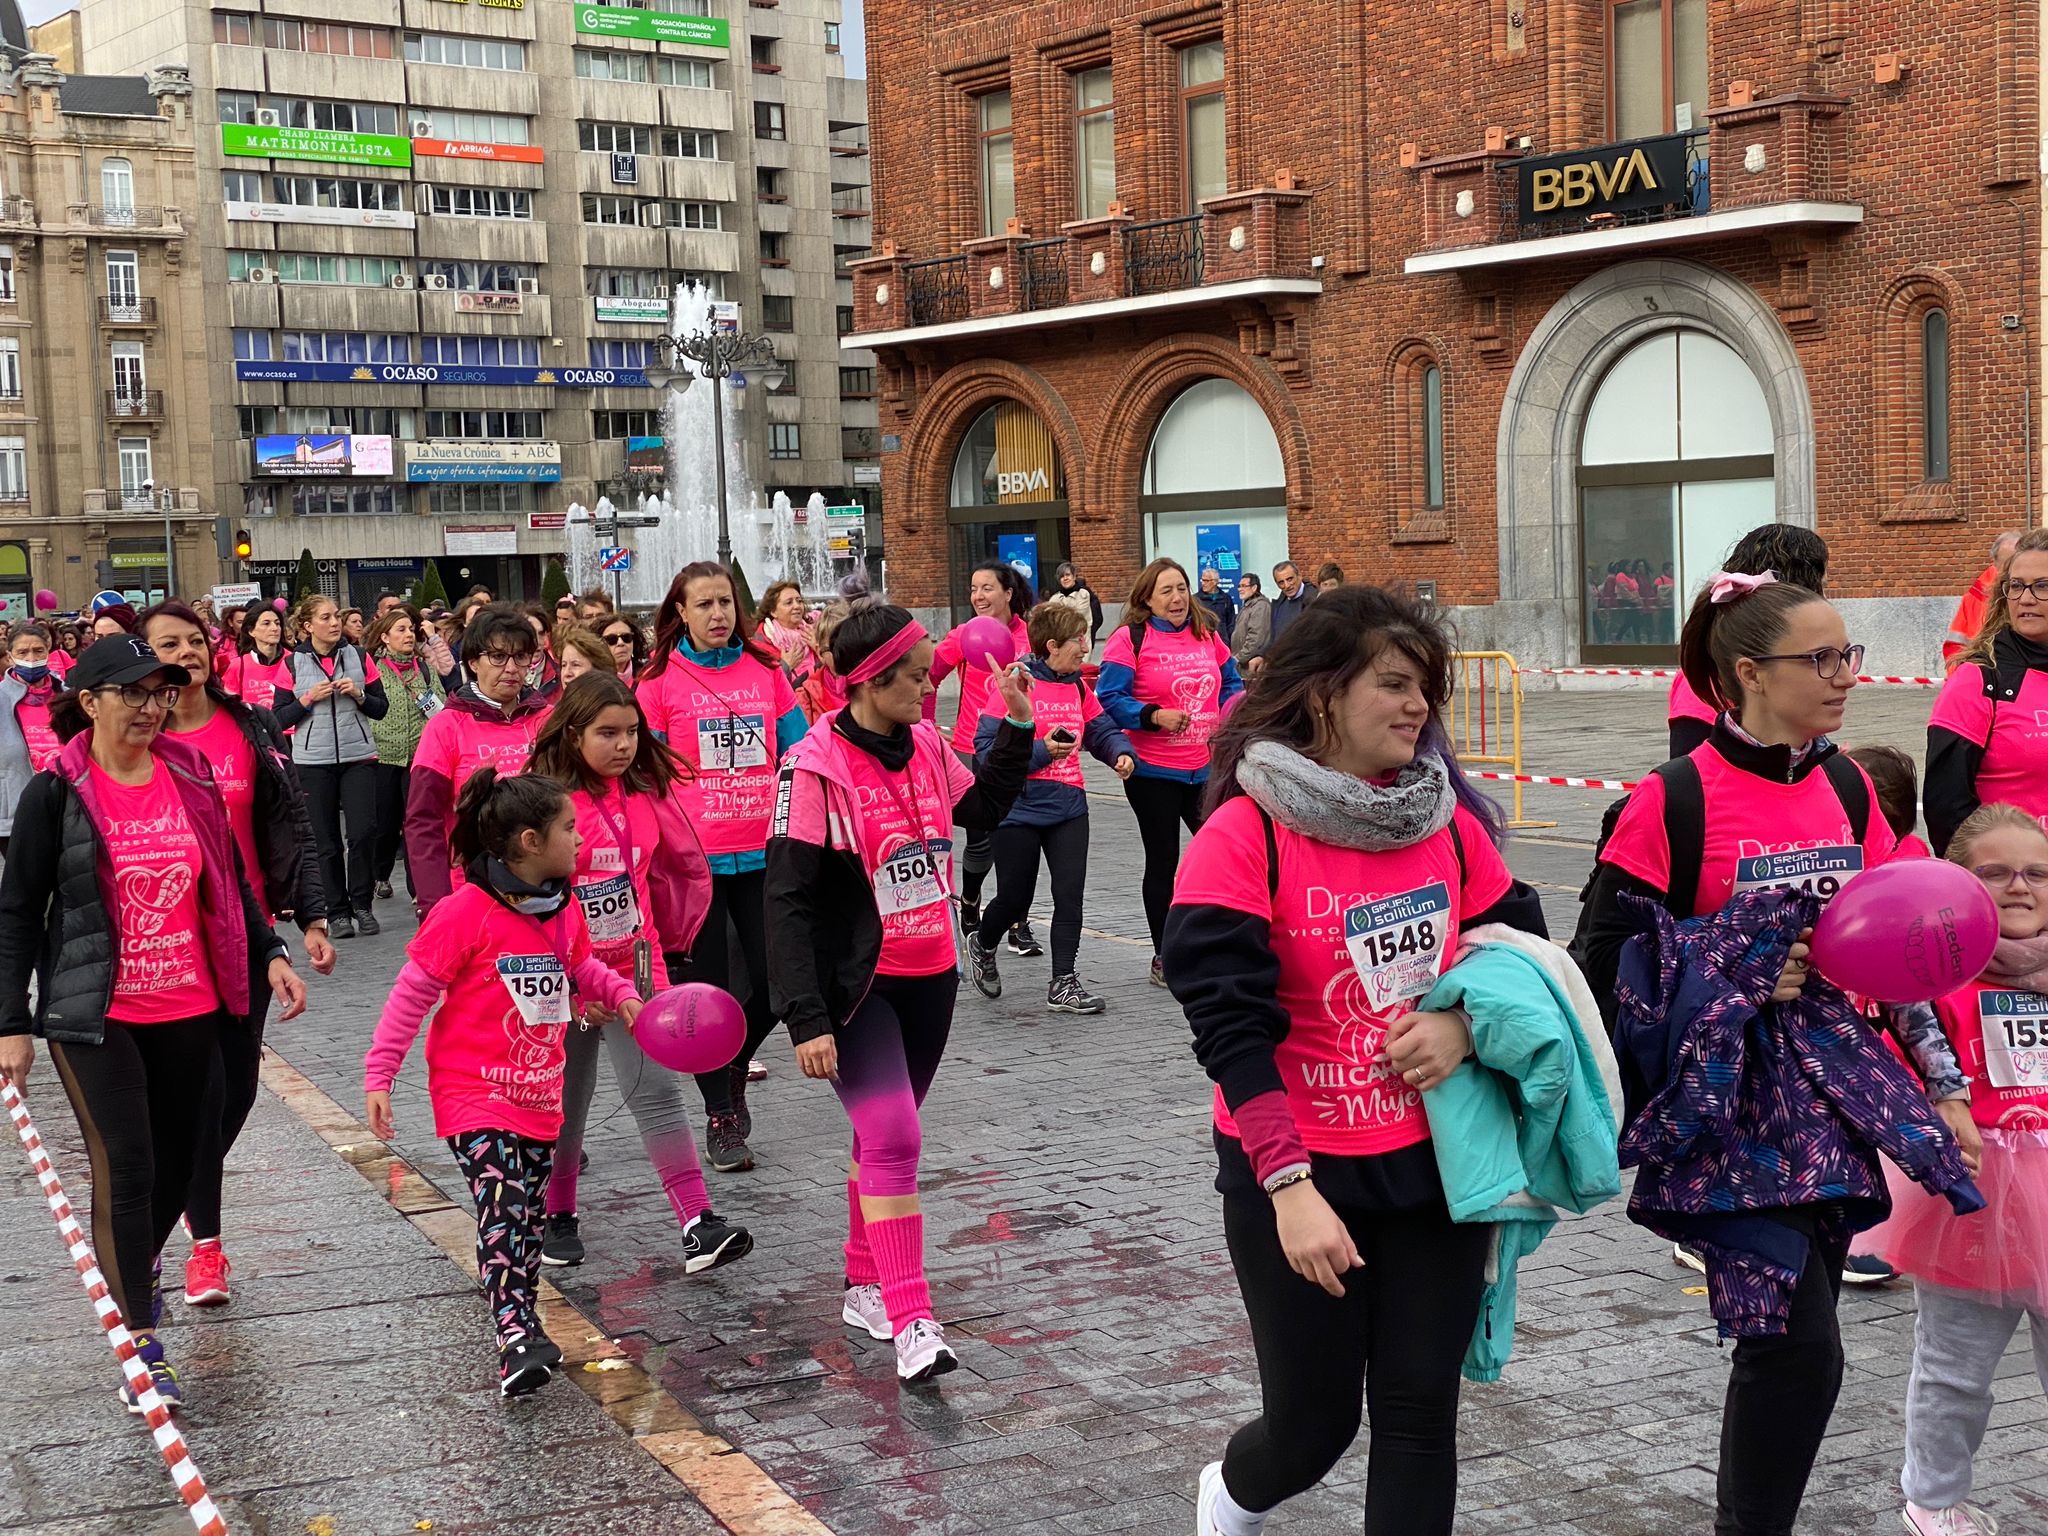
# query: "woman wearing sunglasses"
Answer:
x=1769 y=802
x=627 y=643
x=1984 y=741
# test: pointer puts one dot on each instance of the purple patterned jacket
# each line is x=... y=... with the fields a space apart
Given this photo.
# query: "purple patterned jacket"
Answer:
x=1759 y=1107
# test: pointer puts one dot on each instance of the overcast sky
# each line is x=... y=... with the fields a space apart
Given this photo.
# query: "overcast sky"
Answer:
x=852 y=37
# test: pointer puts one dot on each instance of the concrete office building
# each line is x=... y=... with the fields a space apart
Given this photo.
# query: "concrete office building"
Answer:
x=439 y=239
x=105 y=442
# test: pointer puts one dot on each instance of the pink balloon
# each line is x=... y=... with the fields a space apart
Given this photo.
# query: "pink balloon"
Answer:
x=279 y=604
x=1907 y=932
x=693 y=1028
x=987 y=643
x=46 y=601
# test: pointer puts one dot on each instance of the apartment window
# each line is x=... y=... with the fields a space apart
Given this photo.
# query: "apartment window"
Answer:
x=364 y=420
x=466 y=52
x=1202 y=131
x=316 y=499
x=768 y=120
x=608 y=208
x=10 y=368
x=1656 y=66
x=252 y=346
x=481 y=276
x=774 y=248
x=340 y=116
x=613 y=426
x=325 y=37
x=844 y=314
x=1934 y=394
x=778 y=312
x=130 y=381
x=302 y=267
x=124 y=284
x=335 y=192
x=343 y=347
x=692 y=215
x=785 y=440
x=117 y=189
x=482 y=351
x=234 y=28
x=710 y=285
x=768 y=184
x=625 y=283
x=483 y=498
x=482 y=202
x=1432 y=437
x=236 y=106
x=604 y=64
x=856 y=383
x=998 y=163
x=831 y=37
x=137 y=474
x=483 y=127
x=6 y=274
x=693 y=73
x=1094 y=142
x=13 y=469
x=241 y=186
x=492 y=425
x=761 y=54
x=620 y=353
x=633 y=139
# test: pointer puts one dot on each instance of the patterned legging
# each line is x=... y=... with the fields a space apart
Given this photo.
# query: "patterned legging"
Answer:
x=508 y=1179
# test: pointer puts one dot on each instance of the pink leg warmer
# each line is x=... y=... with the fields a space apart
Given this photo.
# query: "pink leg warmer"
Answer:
x=898 y=1246
x=860 y=1259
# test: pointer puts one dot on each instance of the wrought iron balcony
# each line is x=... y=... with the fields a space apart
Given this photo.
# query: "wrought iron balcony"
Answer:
x=1675 y=198
x=137 y=310
x=1163 y=255
x=135 y=405
x=937 y=290
x=1042 y=267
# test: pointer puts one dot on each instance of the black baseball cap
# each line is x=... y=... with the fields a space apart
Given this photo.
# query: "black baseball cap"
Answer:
x=122 y=659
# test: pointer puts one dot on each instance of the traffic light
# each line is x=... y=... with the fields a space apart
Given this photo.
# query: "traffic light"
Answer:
x=243 y=547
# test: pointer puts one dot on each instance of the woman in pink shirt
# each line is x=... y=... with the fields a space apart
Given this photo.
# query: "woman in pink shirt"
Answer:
x=123 y=902
x=251 y=673
x=503 y=958
x=1784 y=550
x=28 y=743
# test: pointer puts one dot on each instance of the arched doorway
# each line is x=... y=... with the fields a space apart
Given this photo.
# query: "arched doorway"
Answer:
x=16 y=601
x=1008 y=497
x=1214 y=494
x=1676 y=461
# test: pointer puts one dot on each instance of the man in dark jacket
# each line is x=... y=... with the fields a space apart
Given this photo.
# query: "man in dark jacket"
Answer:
x=1218 y=600
x=1294 y=596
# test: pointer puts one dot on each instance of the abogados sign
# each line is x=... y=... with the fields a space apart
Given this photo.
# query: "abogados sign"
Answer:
x=1611 y=178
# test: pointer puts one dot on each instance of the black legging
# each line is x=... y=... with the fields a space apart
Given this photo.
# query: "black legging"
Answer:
x=392 y=783
x=241 y=1061
x=977 y=850
x=335 y=791
x=1065 y=845
x=740 y=900
x=143 y=1097
x=1781 y=1393
x=1163 y=806
x=1392 y=1343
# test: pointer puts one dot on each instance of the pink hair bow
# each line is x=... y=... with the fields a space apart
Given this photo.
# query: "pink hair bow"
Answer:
x=1726 y=586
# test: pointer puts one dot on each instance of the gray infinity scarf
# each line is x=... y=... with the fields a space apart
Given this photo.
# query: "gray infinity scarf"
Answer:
x=1340 y=809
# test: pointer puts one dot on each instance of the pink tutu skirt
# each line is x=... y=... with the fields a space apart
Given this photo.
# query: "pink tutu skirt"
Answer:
x=2000 y=1252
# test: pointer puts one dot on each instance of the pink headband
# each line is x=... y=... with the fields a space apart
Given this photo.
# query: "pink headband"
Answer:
x=886 y=655
x=1727 y=586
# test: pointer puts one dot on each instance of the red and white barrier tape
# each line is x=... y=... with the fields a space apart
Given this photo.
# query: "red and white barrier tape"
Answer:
x=1900 y=682
x=191 y=1486
x=1561 y=783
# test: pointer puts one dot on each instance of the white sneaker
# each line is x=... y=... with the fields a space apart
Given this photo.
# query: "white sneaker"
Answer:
x=864 y=1310
x=1210 y=1494
x=1956 y=1520
x=922 y=1353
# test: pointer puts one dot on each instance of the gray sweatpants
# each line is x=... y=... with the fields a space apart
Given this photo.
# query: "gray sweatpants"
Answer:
x=653 y=1094
x=1957 y=1343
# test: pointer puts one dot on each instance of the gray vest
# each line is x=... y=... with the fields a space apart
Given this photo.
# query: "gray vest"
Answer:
x=335 y=730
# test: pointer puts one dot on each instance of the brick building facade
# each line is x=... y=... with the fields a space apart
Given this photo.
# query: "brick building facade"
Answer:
x=1499 y=296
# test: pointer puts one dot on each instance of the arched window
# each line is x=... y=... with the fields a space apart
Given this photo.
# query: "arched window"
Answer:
x=1417 y=467
x=1676 y=462
x=1008 y=497
x=1934 y=394
x=1215 y=489
x=14 y=582
x=117 y=190
x=1433 y=437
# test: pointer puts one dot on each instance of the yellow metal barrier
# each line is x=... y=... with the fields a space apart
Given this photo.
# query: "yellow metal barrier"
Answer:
x=1486 y=718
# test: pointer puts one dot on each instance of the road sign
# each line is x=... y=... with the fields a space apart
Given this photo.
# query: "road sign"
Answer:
x=613 y=558
x=639 y=519
x=228 y=593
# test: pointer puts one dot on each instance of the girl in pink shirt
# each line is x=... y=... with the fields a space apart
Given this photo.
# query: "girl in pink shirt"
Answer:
x=28 y=742
x=502 y=957
x=644 y=887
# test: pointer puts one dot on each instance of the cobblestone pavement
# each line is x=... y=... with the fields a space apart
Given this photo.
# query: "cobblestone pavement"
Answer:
x=1076 y=1257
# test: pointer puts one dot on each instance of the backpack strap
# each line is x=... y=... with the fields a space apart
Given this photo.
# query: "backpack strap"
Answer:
x=1852 y=789
x=1272 y=854
x=1685 y=831
x=1458 y=847
x=1137 y=645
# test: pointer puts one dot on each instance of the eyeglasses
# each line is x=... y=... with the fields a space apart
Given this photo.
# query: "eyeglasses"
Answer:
x=2035 y=875
x=619 y=639
x=507 y=658
x=1827 y=662
x=2039 y=589
x=135 y=696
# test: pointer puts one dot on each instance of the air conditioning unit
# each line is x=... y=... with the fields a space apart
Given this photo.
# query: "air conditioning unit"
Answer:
x=433 y=281
x=262 y=275
x=401 y=280
x=266 y=117
x=423 y=128
x=650 y=216
x=529 y=285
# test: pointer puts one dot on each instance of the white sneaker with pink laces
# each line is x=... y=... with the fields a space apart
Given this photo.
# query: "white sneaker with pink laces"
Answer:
x=1956 y=1520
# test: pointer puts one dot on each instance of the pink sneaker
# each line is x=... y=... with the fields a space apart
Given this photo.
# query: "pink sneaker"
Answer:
x=206 y=1277
x=1956 y=1520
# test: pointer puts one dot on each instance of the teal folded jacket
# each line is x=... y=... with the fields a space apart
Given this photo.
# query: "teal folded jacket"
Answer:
x=1527 y=1126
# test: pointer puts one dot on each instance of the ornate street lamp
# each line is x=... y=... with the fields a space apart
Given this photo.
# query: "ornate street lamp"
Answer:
x=715 y=354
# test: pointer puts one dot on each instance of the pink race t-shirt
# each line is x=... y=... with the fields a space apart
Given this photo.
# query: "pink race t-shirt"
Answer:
x=2001 y=1041
x=2014 y=736
x=32 y=714
x=1687 y=705
x=233 y=761
x=162 y=971
x=1910 y=847
x=721 y=724
x=494 y=1049
x=1760 y=835
x=455 y=743
x=1361 y=938
x=1174 y=669
x=904 y=835
x=1053 y=706
x=617 y=901
x=249 y=679
x=977 y=683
